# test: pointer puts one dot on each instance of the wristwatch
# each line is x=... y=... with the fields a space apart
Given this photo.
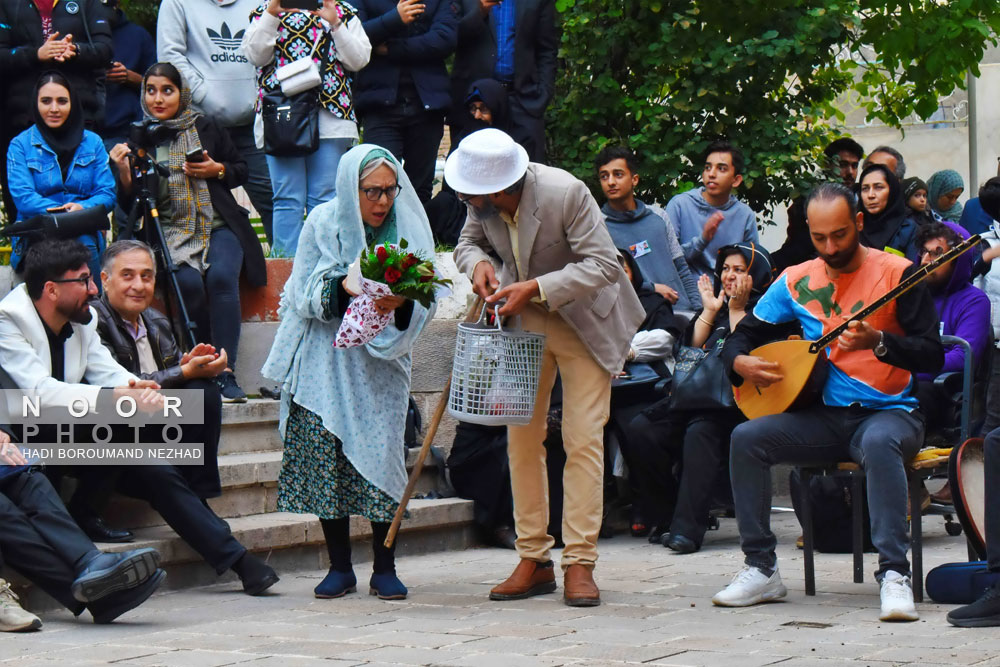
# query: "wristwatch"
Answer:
x=222 y=172
x=880 y=349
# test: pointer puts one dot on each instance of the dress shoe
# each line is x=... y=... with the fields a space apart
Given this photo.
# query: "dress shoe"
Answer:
x=579 y=589
x=256 y=575
x=528 y=579
x=680 y=544
x=112 y=606
x=109 y=573
x=98 y=531
x=336 y=584
x=505 y=537
x=387 y=586
x=656 y=534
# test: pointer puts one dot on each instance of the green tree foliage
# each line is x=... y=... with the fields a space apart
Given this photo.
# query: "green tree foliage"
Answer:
x=142 y=12
x=666 y=77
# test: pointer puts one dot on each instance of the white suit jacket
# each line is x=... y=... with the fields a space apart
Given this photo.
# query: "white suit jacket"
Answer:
x=25 y=355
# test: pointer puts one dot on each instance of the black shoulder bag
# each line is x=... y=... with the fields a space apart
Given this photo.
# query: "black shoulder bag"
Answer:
x=291 y=124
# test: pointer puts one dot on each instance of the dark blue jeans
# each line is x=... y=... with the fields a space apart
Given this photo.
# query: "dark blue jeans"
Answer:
x=213 y=300
x=880 y=441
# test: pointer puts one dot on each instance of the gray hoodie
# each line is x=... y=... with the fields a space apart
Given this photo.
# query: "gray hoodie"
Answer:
x=201 y=38
x=689 y=211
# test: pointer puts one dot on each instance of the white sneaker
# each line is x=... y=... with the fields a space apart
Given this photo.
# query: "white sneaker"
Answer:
x=897 y=598
x=750 y=586
x=12 y=617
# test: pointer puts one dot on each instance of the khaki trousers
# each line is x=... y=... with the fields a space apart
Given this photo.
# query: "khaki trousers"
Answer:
x=586 y=397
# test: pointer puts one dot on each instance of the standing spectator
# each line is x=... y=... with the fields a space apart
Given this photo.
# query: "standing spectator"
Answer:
x=887 y=225
x=56 y=165
x=890 y=157
x=403 y=95
x=943 y=190
x=134 y=53
x=986 y=275
x=644 y=232
x=71 y=37
x=201 y=38
x=975 y=218
x=915 y=196
x=514 y=42
x=339 y=46
x=710 y=217
x=208 y=234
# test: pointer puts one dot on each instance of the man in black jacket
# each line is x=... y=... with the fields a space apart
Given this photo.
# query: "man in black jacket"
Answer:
x=72 y=37
x=514 y=42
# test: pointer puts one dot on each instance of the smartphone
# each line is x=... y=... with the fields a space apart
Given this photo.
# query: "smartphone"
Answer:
x=307 y=5
x=197 y=155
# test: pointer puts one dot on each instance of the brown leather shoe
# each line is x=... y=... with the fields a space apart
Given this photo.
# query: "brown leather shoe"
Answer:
x=529 y=578
x=579 y=589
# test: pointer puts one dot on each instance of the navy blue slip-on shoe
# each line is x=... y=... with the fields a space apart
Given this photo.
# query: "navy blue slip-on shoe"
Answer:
x=109 y=573
x=112 y=606
x=387 y=586
x=336 y=584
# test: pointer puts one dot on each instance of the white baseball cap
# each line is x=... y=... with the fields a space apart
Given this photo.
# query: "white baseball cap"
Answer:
x=485 y=162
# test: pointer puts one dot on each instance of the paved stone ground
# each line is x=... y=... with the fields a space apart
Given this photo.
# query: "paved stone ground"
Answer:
x=656 y=610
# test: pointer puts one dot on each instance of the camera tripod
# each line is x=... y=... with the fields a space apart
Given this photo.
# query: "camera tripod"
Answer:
x=145 y=218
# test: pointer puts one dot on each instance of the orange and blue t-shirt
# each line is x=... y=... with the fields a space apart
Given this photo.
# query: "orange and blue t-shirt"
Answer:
x=806 y=293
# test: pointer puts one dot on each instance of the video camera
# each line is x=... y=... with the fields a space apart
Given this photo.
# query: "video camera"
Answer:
x=67 y=225
x=149 y=133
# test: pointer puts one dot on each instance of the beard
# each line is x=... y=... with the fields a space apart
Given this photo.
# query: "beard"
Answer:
x=841 y=258
x=487 y=210
x=78 y=315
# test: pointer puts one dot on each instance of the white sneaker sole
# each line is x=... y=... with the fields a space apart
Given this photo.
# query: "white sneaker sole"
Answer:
x=27 y=626
x=899 y=615
x=769 y=596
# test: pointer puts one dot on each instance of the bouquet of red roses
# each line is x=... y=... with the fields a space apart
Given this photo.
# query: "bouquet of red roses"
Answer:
x=386 y=270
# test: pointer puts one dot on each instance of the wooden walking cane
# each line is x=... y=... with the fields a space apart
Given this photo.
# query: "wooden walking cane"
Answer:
x=432 y=428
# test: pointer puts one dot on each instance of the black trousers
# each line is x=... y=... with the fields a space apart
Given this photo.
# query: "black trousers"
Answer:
x=38 y=537
x=527 y=130
x=991 y=447
x=412 y=135
x=657 y=440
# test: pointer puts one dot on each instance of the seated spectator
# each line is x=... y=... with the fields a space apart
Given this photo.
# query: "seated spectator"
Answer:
x=845 y=155
x=208 y=234
x=199 y=37
x=987 y=278
x=142 y=341
x=40 y=540
x=743 y=272
x=56 y=165
x=276 y=38
x=134 y=53
x=975 y=218
x=886 y=223
x=51 y=349
x=915 y=196
x=403 y=94
x=943 y=190
x=964 y=311
x=73 y=38
x=487 y=105
x=710 y=217
x=643 y=232
x=889 y=157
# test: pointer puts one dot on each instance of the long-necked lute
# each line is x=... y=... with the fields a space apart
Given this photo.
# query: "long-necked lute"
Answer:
x=803 y=362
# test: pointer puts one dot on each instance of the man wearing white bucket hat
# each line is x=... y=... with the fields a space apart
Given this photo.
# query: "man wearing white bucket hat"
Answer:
x=536 y=238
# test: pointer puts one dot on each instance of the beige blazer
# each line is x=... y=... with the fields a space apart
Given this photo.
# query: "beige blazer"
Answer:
x=565 y=245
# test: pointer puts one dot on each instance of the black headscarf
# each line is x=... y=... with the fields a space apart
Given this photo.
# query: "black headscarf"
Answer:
x=880 y=227
x=64 y=140
x=491 y=93
x=659 y=311
x=761 y=270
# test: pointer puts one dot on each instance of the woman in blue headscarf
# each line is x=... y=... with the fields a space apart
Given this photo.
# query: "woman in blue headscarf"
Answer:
x=343 y=411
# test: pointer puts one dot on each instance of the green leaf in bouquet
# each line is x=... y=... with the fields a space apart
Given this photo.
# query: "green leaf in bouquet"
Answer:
x=403 y=244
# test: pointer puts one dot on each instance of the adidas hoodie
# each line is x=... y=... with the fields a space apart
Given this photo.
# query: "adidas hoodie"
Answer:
x=201 y=38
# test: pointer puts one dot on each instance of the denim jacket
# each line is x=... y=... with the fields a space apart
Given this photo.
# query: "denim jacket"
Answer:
x=36 y=181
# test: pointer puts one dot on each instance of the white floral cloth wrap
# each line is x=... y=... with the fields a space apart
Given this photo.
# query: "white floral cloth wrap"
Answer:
x=362 y=320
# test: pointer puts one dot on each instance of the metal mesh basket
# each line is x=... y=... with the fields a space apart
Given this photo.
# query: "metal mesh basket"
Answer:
x=494 y=379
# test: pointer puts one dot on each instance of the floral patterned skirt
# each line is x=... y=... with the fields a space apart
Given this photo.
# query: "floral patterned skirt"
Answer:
x=317 y=478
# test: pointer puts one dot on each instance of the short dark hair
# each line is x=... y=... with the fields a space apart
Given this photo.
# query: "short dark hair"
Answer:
x=833 y=192
x=723 y=146
x=844 y=144
x=900 y=163
x=936 y=229
x=50 y=259
x=120 y=248
x=610 y=153
x=989 y=197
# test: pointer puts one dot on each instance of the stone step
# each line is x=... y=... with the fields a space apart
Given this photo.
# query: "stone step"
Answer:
x=249 y=487
x=291 y=543
x=250 y=427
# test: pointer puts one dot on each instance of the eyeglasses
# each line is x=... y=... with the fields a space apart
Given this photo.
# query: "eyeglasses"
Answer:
x=374 y=194
x=934 y=253
x=84 y=280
